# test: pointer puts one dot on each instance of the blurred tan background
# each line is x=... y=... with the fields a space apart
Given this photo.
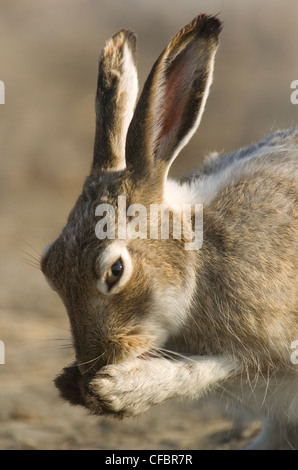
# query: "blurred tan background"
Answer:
x=48 y=57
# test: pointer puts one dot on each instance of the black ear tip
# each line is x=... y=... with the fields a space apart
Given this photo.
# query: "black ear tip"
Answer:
x=208 y=26
x=131 y=37
x=132 y=41
x=125 y=35
x=122 y=37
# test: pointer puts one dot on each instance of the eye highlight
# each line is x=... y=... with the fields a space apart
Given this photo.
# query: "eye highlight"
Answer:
x=114 y=268
x=114 y=273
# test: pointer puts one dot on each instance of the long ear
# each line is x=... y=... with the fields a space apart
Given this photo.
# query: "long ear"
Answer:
x=173 y=99
x=117 y=90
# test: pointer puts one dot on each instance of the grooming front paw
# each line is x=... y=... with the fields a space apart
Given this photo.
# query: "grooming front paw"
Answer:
x=130 y=388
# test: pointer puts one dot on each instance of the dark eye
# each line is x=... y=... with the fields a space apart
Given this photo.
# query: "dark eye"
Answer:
x=114 y=273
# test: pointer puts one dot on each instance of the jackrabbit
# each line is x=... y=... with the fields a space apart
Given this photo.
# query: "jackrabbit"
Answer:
x=153 y=317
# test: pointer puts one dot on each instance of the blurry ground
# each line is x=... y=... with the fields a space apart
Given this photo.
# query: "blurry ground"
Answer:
x=48 y=54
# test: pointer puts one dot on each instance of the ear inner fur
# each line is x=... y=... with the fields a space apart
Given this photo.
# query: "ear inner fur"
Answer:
x=173 y=98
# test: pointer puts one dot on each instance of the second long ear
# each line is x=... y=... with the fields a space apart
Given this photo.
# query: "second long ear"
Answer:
x=172 y=102
x=117 y=89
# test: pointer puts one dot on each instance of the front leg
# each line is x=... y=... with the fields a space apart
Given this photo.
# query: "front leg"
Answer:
x=130 y=388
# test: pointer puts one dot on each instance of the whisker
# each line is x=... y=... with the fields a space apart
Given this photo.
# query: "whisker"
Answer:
x=31 y=263
x=166 y=355
x=94 y=361
x=32 y=248
x=92 y=365
x=43 y=341
x=31 y=256
x=174 y=353
x=66 y=346
x=153 y=353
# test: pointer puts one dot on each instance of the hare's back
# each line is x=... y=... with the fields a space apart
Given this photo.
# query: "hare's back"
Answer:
x=282 y=145
x=252 y=194
x=273 y=162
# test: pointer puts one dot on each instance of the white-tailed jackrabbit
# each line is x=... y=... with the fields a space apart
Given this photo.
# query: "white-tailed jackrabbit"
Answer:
x=152 y=319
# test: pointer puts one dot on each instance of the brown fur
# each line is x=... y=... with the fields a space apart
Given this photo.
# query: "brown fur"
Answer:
x=237 y=295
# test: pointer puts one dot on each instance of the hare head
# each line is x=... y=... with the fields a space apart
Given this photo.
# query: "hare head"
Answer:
x=126 y=294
